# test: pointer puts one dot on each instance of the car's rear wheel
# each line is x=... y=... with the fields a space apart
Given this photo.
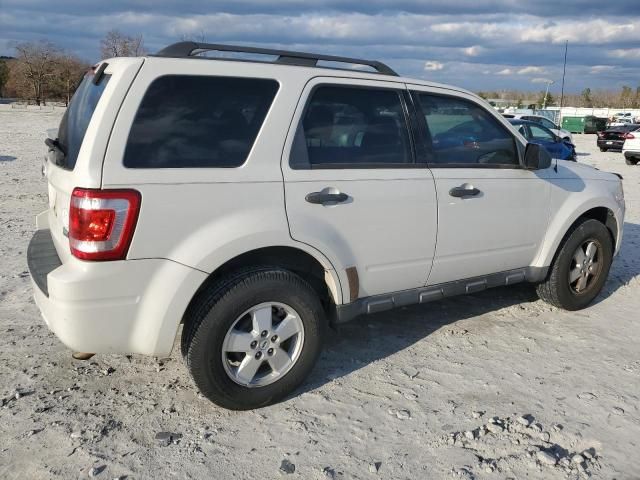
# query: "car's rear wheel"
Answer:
x=580 y=268
x=630 y=161
x=602 y=149
x=253 y=339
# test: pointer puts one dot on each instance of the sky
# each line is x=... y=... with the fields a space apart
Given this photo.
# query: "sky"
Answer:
x=478 y=45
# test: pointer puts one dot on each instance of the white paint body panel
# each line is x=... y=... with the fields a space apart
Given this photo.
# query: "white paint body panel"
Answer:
x=386 y=229
x=192 y=221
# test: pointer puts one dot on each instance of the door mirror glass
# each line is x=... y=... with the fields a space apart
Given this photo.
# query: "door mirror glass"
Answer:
x=536 y=157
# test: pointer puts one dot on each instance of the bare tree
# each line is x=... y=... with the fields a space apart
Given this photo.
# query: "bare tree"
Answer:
x=4 y=75
x=68 y=72
x=34 y=64
x=117 y=44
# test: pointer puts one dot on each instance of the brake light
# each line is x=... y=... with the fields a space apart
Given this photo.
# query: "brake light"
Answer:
x=600 y=134
x=629 y=136
x=102 y=222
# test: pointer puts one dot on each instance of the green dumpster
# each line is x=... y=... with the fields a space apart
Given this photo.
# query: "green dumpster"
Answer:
x=587 y=124
x=573 y=124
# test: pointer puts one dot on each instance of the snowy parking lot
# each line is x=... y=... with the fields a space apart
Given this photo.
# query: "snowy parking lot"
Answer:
x=497 y=384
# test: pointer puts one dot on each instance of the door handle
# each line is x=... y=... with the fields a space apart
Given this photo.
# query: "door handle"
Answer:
x=324 y=198
x=464 y=190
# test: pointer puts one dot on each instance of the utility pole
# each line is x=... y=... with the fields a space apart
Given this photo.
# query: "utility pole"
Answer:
x=564 y=70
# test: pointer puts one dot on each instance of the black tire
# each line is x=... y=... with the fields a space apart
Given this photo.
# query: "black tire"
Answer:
x=630 y=161
x=215 y=311
x=556 y=289
x=602 y=149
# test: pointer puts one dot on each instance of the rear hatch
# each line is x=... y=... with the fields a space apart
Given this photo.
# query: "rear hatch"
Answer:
x=75 y=152
x=612 y=134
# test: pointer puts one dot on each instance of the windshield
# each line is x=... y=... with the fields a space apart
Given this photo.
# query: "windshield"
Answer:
x=76 y=119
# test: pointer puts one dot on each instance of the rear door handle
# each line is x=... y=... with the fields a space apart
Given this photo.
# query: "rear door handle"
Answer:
x=323 y=198
x=464 y=190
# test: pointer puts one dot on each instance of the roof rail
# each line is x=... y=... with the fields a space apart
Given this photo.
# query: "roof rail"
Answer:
x=187 y=49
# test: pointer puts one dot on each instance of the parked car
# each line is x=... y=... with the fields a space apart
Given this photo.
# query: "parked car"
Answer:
x=620 y=122
x=535 y=133
x=544 y=121
x=631 y=147
x=259 y=202
x=613 y=138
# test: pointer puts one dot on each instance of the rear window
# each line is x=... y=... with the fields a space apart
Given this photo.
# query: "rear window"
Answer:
x=187 y=121
x=75 y=121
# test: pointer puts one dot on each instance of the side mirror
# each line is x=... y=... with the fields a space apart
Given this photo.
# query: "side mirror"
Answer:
x=536 y=157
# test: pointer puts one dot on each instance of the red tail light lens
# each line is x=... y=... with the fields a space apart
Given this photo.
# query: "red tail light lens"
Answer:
x=102 y=222
x=629 y=136
x=600 y=134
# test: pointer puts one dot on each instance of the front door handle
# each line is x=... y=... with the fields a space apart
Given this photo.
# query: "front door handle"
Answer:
x=464 y=190
x=324 y=198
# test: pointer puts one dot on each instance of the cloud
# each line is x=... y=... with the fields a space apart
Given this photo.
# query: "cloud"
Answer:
x=445 y=42
x=596 y=69
x=473 y=51
x=432 y=65
x=528 y=70
x=541 y=80
x=626 y=52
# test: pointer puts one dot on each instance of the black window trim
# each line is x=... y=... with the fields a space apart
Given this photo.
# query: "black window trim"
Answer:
x=426 y=136
x=413 y=141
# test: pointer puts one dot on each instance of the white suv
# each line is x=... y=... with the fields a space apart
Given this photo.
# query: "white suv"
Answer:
x=258 y=202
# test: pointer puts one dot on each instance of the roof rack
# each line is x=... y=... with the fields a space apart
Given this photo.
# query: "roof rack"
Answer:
x=187 y=49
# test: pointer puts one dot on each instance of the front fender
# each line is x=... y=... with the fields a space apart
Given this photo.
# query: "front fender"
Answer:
x=566 y=209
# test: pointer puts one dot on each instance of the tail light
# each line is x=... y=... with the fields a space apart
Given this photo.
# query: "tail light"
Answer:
x=102 y=222
x=629 y=136
x=600 y=134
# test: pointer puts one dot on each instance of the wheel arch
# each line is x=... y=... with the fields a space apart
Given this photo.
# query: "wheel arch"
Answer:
x=601 y=213
x=322 y=278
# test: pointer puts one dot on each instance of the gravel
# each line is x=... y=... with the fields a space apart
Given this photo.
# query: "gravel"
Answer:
x=577 y=370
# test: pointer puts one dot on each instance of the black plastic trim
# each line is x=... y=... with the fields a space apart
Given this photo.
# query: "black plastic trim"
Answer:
x=187 y=49
x=42 y=258
x=380 y=303
x=99 y=73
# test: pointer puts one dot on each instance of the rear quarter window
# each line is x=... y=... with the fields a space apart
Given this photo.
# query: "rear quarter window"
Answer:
x=187 y=121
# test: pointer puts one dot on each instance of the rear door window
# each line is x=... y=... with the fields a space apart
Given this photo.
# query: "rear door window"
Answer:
x=352 y=127
x=188 y=121
x=75 y=121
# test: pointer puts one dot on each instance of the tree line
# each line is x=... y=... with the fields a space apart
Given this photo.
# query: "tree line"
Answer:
x=625 y=98
x=42 y=72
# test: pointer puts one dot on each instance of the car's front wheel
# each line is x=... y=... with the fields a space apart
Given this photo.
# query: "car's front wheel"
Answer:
x=253 y=339
x=580 y=268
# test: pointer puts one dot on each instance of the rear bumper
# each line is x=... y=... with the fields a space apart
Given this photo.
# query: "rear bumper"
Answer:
x=615 y=144
x=130 y=306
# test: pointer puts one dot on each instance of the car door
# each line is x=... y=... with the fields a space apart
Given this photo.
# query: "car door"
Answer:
x=353 y=189
x=492 y=213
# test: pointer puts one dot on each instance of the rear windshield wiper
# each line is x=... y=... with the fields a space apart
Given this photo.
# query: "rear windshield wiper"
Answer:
x=55 y=146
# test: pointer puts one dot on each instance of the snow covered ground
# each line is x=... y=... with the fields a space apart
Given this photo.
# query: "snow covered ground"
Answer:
x=489 y=386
